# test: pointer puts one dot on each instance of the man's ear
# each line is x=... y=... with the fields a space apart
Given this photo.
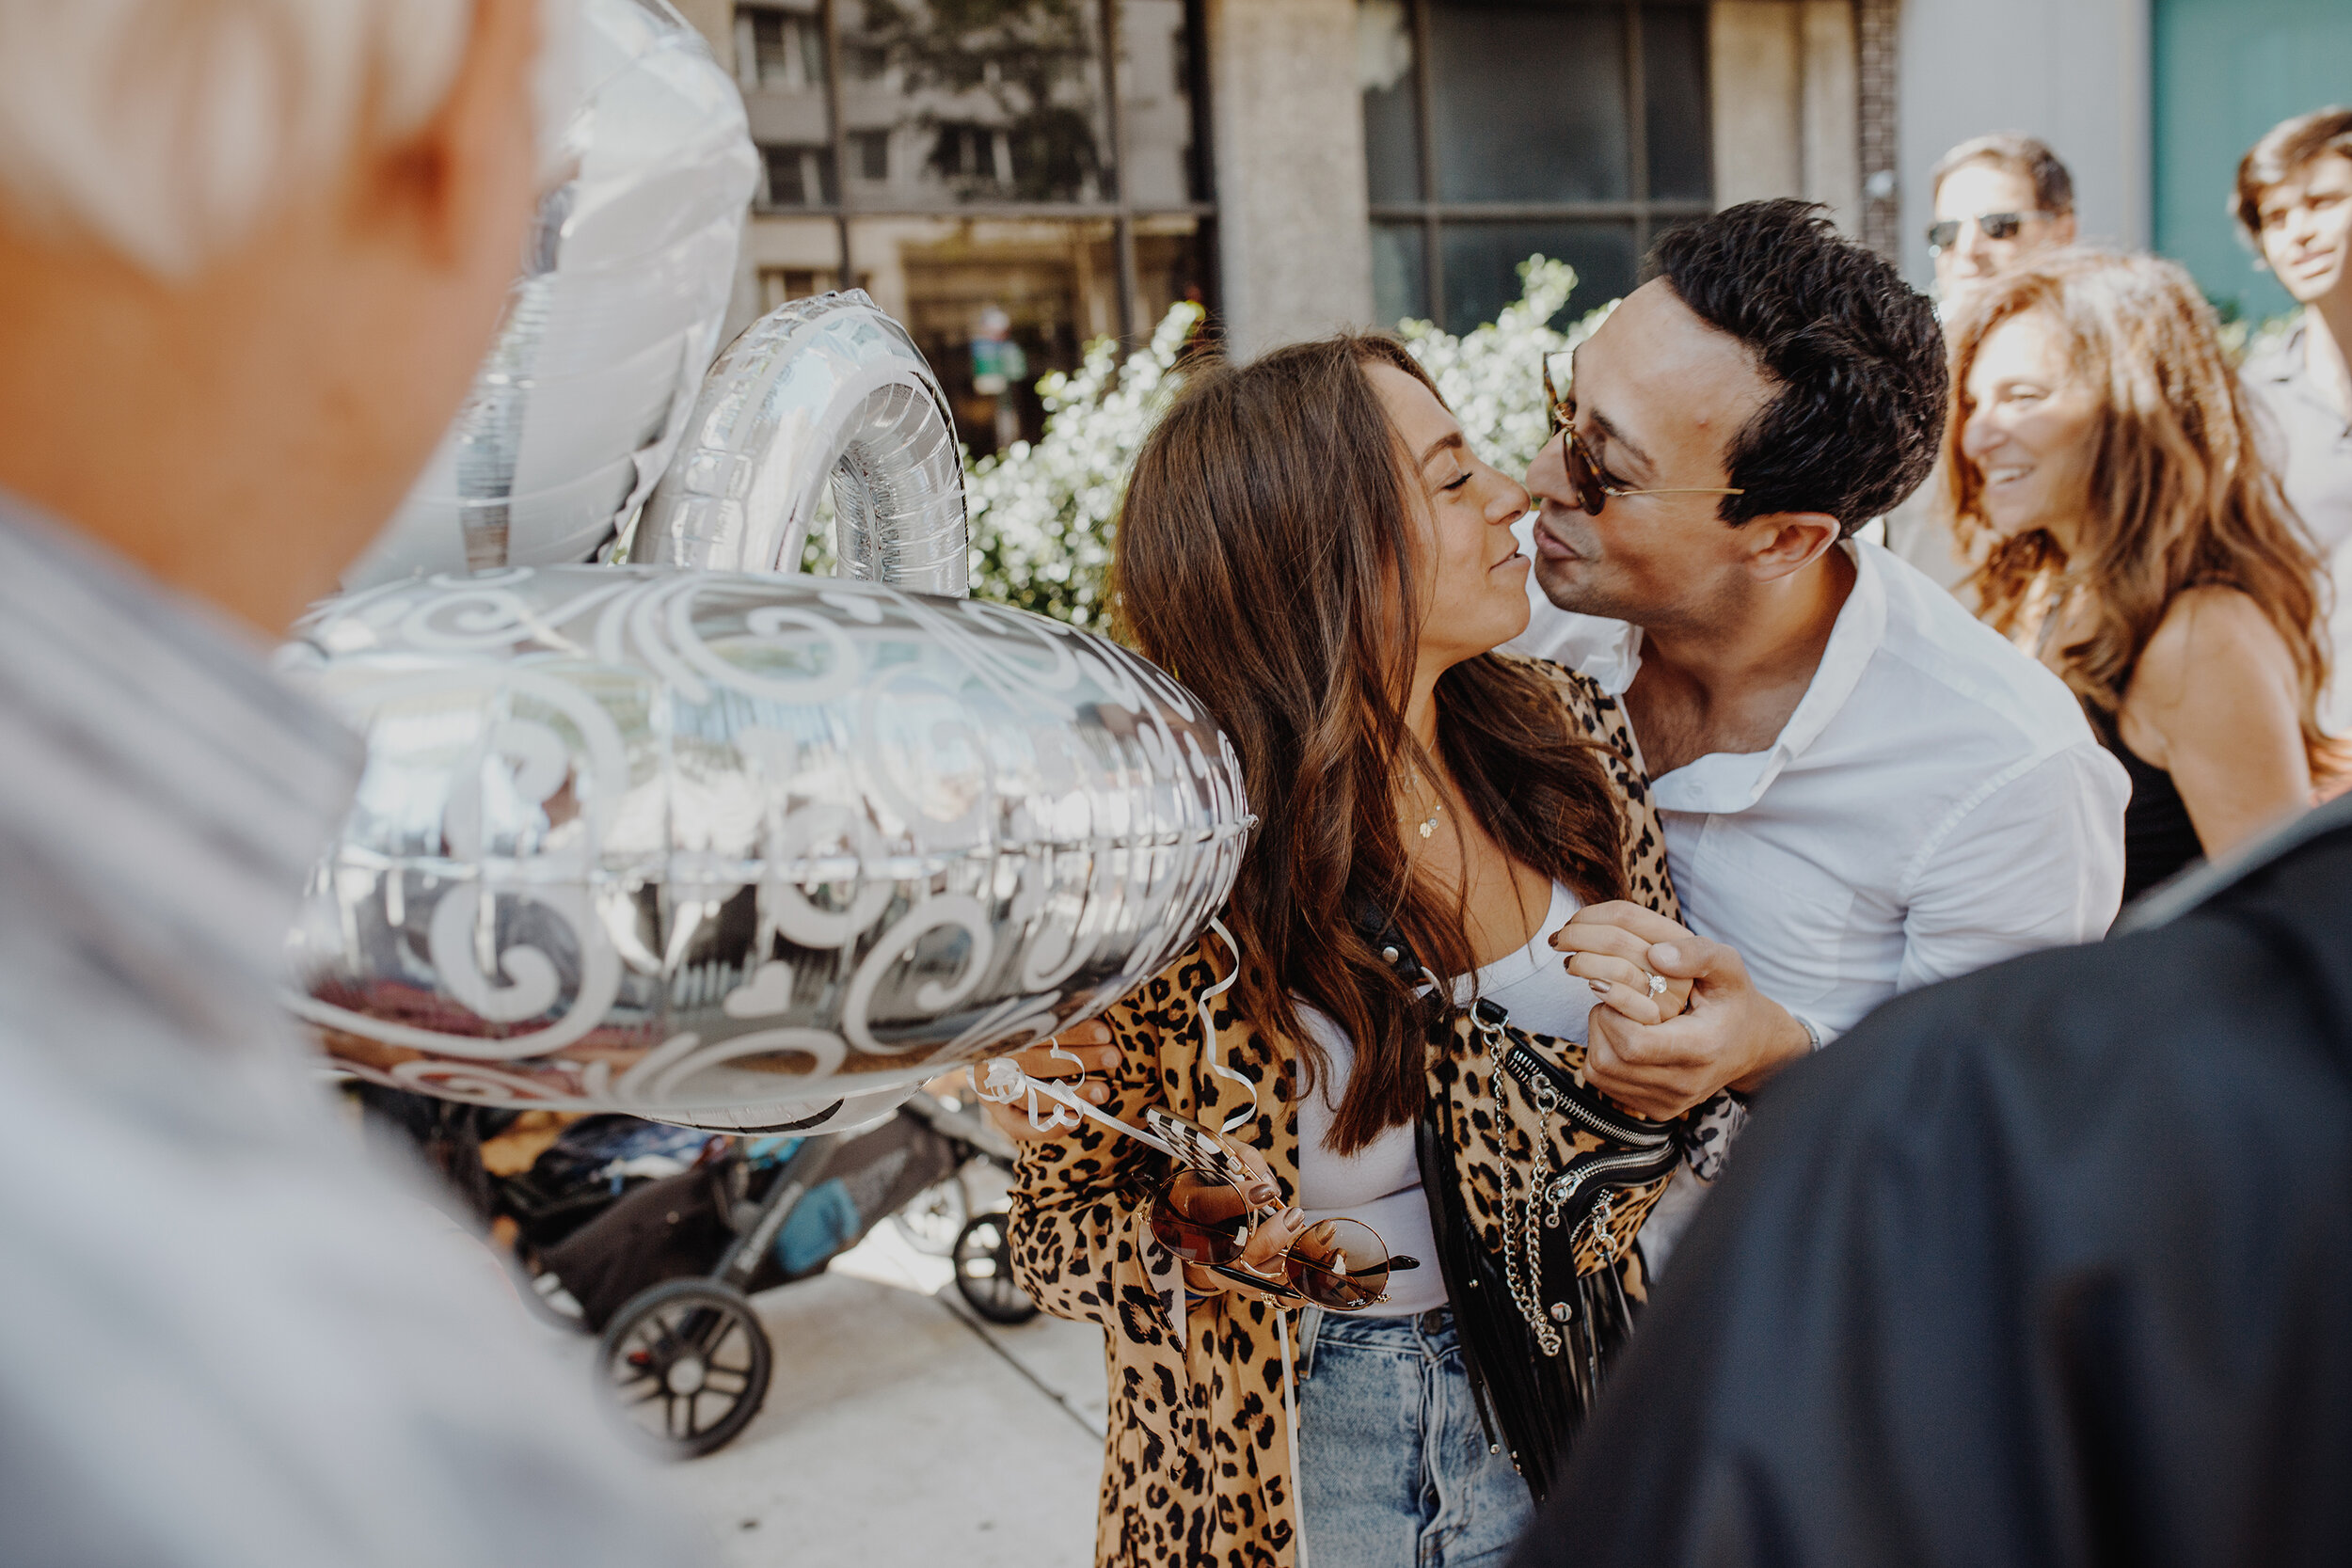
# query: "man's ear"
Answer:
x=2062 y=229
x=1782 y=544
x=450 y=176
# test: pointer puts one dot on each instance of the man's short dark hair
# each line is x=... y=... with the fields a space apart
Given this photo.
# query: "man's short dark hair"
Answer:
x=2285 y=149
x=1855 y=351
x=2027 y=157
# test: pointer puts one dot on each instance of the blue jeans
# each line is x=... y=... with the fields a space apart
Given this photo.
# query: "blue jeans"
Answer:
x=1394 y=1470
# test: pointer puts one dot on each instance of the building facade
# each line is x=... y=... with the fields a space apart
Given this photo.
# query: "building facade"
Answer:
x=1050 y=171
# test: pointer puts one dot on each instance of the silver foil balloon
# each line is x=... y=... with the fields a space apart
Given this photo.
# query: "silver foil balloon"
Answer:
x=582 y=397
x=819 y=389
x=741 y=851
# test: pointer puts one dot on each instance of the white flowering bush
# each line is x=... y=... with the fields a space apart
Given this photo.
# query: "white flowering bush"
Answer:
x=1041 y=514
x=1492 y=375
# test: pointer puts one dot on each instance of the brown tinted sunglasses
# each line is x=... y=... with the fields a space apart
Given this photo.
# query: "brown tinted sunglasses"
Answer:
x=1203 y=1216
x=1584 y=482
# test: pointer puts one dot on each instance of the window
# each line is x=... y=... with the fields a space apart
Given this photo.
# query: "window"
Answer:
x=1037 y=160
x=779 y=284
x=797 y=176
x=780 y=50
x=1497 y=129
x=870 y=155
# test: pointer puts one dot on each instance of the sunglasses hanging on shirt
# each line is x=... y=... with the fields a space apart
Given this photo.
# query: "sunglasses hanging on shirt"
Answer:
x=1202 y=1213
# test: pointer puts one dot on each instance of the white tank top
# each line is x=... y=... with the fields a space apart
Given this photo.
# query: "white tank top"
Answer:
x=1380 y=1185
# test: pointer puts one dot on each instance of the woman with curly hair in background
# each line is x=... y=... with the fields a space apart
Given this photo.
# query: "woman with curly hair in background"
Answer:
x=2102 y=457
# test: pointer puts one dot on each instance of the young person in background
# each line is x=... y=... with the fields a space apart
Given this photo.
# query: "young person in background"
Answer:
x=2103 y=461
x=2294 y=201
x=2000 y=200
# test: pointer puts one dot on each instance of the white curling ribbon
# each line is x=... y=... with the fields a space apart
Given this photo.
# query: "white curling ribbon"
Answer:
x=1239 y=1120
x=1003 y=1081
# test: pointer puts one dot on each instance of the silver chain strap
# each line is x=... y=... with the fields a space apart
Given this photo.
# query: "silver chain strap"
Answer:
x=1523 y=1254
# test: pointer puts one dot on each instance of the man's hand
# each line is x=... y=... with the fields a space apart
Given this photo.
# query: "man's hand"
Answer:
x=1090 y=1042
x=1732 y=1036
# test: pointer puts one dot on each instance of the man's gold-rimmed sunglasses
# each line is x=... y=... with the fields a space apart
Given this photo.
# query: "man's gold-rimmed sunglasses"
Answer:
x=1591 y=491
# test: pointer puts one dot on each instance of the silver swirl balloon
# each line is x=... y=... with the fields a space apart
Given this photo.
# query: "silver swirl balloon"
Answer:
x=741 y=851
x=576 y=410
x=819 y=389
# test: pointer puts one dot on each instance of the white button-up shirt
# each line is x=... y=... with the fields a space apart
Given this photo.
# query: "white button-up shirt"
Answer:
x=1936 y=804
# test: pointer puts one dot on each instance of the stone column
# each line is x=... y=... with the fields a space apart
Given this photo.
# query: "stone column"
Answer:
x=1786 y=103
x=1295 y=242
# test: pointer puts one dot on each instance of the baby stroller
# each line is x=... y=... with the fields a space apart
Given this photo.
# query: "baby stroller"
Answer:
x=658 y=1237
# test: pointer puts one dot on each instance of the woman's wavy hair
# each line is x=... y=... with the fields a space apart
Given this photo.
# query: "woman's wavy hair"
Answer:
x=2181 y=495
x=1265 y=556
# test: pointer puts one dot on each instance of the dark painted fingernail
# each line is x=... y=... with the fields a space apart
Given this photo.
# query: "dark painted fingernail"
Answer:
x=1264 y=1193
x=1293 y=1218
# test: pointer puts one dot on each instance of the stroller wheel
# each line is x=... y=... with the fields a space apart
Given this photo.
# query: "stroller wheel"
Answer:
x=688 y=1364
x=935 y=1216
x=983 y=1259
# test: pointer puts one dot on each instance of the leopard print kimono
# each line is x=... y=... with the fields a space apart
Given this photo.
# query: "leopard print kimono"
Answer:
x=1198 y=1468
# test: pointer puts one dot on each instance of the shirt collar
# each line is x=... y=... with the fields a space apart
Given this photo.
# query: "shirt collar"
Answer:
x=1725 y=782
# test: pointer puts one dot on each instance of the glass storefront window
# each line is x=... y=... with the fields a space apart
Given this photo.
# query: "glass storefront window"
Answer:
x=1048 y=285
x=1026 y=175
x=1497 y=129
x=1481 y=262
x=1529 y=104
x=1384 y=72
x=1400 y=277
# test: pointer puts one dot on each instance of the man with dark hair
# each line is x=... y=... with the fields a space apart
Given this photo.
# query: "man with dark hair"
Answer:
x=1864 y=789
x=2294 y=202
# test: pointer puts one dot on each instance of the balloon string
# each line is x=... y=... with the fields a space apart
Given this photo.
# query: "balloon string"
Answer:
x=1003 y=1081
x=1201 y=1010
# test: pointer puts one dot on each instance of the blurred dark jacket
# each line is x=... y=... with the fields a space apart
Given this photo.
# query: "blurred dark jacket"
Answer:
x=2048 y=1265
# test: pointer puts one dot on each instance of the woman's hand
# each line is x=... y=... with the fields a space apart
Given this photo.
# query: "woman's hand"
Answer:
x=1268 y=1241
x=1608 y=947
x=1090 y=1043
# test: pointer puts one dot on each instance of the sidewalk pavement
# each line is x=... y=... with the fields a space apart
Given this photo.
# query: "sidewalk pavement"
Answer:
x=903 y=1431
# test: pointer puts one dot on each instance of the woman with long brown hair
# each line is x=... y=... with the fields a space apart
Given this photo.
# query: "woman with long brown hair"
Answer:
x=2104 y=468
x=1308 y=544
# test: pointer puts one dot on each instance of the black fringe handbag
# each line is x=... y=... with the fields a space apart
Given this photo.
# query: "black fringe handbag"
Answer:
x=1536 y=1186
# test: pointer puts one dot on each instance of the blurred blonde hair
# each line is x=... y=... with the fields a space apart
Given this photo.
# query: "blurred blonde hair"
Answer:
x=2180 y=495
x=167 y=130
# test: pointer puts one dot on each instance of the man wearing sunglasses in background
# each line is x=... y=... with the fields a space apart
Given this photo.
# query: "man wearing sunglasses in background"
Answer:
x=1999 y=200
x=1864 y=789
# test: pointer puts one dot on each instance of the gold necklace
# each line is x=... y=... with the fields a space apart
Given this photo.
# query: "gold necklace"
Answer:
x=1430 y=826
